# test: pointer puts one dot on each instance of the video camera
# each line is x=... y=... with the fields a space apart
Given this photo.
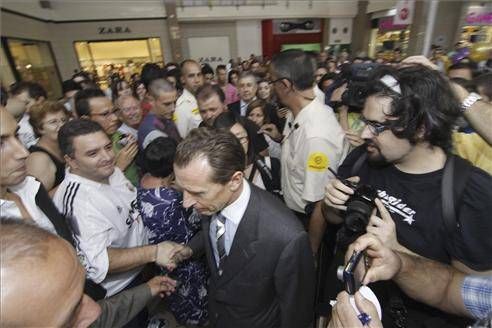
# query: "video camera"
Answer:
x=356 y=76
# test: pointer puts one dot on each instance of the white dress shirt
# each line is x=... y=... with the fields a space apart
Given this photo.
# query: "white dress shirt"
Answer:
x=233 y=213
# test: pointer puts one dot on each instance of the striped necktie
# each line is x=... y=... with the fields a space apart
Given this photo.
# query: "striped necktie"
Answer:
x=220 y=240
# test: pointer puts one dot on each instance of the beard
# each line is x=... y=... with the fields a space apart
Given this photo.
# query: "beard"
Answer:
x=374 y=155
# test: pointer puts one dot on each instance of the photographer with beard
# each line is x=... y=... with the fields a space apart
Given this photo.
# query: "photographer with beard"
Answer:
x=409 y=115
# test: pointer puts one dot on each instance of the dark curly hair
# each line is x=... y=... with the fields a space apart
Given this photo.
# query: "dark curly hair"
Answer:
x=426 y=104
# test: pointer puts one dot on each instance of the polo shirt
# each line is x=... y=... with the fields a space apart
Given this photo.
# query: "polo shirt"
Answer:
x=313 y=142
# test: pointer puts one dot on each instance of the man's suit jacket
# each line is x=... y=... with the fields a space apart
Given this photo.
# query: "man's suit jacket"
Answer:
x=235 y=107
x=268 y=277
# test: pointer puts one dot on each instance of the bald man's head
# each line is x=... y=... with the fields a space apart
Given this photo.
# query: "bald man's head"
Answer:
x=40 y=272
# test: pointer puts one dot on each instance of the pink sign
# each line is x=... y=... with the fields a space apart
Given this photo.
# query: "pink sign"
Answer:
x=474 y=18
x=386 y=24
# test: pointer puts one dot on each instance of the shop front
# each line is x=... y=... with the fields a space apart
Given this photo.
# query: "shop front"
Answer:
x=122 y=57
x=387 y=36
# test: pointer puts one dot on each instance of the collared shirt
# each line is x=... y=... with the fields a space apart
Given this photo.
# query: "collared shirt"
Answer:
x=26 y=132
x=477 y=295
x=233 y=213
x=313 y=142
x=27 y=191
x=102 y=215
x=243 y=106
x=187 y=115
x=128 y=130
x=319 y=93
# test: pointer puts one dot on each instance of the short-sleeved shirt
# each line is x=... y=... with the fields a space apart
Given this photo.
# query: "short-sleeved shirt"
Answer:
x=152 y=122
x=313 y=142
x=102 y=216
x=477 y=295
x=414 y=202
x=187 y=116
x=27 y=191
x=26 y=132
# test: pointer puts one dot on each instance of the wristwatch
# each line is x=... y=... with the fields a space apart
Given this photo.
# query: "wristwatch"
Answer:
x=469 y=101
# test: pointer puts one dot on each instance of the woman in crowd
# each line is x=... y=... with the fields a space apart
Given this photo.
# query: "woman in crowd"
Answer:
x=45 y=162
x=233 y=77
x=120 y=88
x=257 y=113
x=263 y=172
x=161 y=206
x=139 y=90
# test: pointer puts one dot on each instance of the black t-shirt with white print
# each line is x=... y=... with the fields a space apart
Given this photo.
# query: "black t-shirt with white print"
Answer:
x=414 y=202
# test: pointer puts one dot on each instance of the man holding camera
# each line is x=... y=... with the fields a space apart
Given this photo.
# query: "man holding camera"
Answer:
x=409 y=115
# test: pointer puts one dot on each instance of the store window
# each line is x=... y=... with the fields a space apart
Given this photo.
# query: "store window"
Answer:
x=122 y=57
x=30 y=60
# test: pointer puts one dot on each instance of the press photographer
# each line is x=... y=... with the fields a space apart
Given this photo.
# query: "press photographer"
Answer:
x=430 y=202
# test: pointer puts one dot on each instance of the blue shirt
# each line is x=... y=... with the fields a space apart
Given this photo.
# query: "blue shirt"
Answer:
x=477 y=295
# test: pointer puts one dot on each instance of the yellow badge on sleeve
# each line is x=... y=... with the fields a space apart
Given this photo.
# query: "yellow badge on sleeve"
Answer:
x=317 y=162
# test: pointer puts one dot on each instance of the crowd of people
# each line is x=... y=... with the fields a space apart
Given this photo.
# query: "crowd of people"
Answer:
x=235 y=194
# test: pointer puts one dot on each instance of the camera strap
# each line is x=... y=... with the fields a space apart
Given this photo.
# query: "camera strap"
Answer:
x=455 y=176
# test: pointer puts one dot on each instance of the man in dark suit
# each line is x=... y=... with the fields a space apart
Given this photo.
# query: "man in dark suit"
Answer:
x=247 y=87
x=262 y=269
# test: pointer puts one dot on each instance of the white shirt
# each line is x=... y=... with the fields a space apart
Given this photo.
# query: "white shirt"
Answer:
x=102 y=216
x=319 y=93
x=243 y=107
x=128 y=130
x=233 y=213
x=313 y=141
x=26 y=132
x=27 y=190
x=187 y=116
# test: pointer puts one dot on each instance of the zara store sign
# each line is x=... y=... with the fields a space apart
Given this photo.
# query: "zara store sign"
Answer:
x=113 y=29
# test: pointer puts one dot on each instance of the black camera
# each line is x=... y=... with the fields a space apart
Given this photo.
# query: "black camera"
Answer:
x=359 y=207
x=356 y=76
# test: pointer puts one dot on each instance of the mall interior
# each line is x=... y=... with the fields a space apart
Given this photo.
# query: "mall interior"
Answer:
x=50 y=40
x=345 y=134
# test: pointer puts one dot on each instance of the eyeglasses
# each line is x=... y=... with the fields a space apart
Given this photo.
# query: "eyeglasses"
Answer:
x=107 y=114
x=278 y=80
x=376 y=128
x=54 y=123
x=129 y=109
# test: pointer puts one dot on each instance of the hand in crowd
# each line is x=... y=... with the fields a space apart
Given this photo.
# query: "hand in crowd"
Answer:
x=354 y=138
x=127 y=154
x=344 y=315
x=418 y=60
x=282 y=112
x=337 y=93
x=384 y=263
x=271 y=130
x=337 y=193
x=170 y=254
x=161 y=285
x=383 y=227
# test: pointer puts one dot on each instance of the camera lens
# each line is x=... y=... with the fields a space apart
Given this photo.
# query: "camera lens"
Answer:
x=358 y=214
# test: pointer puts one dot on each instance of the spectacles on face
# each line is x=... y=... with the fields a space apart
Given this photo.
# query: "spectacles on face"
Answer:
x=376 y=128
x=129 y=109
x=54 y=123
x=278 y=80
x=107 y=114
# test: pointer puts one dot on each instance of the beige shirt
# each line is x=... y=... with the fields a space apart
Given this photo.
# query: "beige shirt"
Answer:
x=313 y=142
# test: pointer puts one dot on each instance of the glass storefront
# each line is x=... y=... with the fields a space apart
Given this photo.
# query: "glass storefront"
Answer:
x=122 y=57
x=30 y=60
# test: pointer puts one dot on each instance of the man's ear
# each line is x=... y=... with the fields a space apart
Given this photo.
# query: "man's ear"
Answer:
x=70 y=162
x=236 y=181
